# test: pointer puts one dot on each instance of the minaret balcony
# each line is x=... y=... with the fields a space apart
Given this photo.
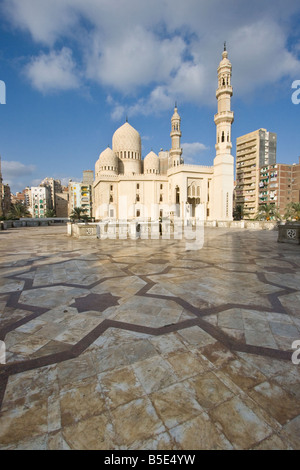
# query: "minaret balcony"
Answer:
x=224 y=89
x=224 y=116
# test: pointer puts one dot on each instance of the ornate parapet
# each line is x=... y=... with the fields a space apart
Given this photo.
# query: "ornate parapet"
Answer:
x=289 y=233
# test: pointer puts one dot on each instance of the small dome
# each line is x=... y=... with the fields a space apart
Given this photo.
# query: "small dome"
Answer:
x=108 y=161
x=225 y=61
x=151 y=163
x=127 y=142
x=176 y=115
x=108 y=157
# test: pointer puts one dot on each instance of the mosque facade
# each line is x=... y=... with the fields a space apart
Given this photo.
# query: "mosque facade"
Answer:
x=161 y=186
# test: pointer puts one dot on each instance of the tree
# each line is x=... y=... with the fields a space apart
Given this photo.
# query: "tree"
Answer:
x=292 y=211
x=268 y=212
x=78 y=213
x=17 y=211
x=238 y=212
x=50 y=213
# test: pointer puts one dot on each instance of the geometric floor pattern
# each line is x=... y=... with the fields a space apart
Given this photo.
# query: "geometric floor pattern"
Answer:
x=123 y=344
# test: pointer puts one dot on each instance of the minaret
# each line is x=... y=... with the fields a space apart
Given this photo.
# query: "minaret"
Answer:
x=224 y=162
x=224 y=117
x=176 y=150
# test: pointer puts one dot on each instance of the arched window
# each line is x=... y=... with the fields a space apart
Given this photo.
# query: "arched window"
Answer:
x=223 y=136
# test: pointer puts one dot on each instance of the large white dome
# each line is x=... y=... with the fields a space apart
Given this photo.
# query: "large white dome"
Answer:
x=126 y=142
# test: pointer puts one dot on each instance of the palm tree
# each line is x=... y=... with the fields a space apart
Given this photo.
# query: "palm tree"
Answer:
x=17 y=211
x=268 y=212
x=78 y=213
x=50 y=213
x=292 y=211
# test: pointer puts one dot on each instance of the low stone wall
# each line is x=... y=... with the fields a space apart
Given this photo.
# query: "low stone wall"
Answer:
x=289 y=233
x=8 y=224
x=247 y=224
x=82 y=230
x=154 y=229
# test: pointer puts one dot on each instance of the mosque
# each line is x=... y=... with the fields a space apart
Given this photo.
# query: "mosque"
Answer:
x=163 y=186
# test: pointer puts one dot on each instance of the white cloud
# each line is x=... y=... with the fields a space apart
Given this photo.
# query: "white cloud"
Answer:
x=45 y=20
x=134 y=60
x=192 y=150
x=14 y=169
x=53 y=71
x=170 y=48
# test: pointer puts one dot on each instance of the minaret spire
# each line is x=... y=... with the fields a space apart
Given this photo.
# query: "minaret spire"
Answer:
x=176 y=150
x=224 y=118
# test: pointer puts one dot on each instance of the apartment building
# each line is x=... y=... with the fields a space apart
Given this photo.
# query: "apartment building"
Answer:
x=253 y=151
x=81 y=193
x=279 y=184
x=40 y=201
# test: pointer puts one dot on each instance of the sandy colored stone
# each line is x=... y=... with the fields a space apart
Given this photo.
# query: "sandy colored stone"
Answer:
x=208 y=390
x=200 y=434
x=19 y=423
x=243 y=374
x=120 y=386
x=81 y=403
x=278 y=402
x=175 y=404
x=136 y=421
x=154 y=373
x=185 y=364
x=95 y=433
x=242 y=427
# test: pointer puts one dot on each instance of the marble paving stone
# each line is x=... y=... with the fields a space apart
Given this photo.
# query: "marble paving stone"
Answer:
x=284 y=407
x=243 y=374
x=109 y=358
x=75 y=370
x=154 y=373
x=120 y=386
x=50 y=297
x=291 y=431
x=136 y=421
x=240 y=424
x=208 y=390
x=21 y=422
x=186 y=364
x=95 y=433
x=175 y=404
x=200 y=434
x=158 y=347
x=168 y=343
x=195 y=336
x=81 y=402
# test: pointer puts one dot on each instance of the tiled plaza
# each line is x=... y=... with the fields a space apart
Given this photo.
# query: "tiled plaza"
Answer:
x=123 y=344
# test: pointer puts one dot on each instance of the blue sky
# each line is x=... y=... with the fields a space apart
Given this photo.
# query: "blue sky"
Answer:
x=74 y=69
